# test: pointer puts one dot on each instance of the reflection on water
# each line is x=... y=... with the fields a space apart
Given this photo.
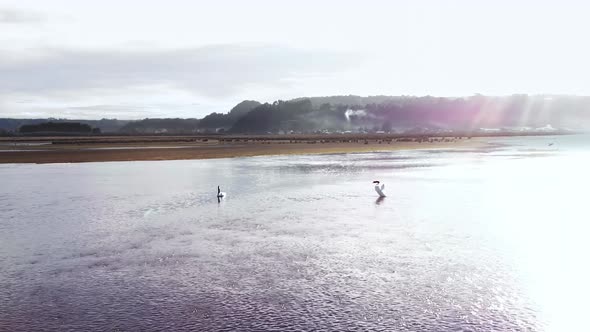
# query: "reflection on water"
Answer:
x=488 y=239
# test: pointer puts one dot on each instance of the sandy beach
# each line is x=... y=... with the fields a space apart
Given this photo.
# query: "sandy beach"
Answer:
x=72 y=150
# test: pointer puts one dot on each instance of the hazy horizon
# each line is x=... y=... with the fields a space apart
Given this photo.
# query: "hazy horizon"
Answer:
x=305 y=97
x=133 y=60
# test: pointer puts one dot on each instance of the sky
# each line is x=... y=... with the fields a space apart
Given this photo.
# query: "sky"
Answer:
x=137 y=59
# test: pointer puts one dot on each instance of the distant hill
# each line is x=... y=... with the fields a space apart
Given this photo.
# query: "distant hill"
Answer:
x=274 y=117
x=225 y=121
x=350 y=100
x=384 y=113
x=364 y=114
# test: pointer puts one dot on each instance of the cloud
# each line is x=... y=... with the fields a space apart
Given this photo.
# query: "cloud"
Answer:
x=150 y=82
x=137 y=109
x=14 y=16
x=214 y=71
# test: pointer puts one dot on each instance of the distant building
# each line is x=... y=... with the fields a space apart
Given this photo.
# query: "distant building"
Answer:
x=547 y=128
x=490 y=130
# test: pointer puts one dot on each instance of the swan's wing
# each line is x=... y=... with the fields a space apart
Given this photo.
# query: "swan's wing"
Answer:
x=383 y=186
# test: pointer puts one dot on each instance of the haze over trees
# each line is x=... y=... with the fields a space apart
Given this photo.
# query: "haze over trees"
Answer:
x=161 y=126
x=382 y=113
x=364 y=114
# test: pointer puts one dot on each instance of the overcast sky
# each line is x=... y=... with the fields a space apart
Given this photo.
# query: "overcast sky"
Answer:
x=137 y=59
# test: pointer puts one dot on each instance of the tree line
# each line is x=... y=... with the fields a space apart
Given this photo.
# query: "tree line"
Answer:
x=59 y=127
x=349 y=113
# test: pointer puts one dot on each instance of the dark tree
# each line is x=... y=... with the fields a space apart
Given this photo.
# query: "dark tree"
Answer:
x=60 y=127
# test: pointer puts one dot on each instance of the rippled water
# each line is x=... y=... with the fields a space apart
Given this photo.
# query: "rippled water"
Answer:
x=488 y=239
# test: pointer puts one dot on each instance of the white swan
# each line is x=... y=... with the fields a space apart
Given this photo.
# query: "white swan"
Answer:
x=379 y=189
x=220 y=194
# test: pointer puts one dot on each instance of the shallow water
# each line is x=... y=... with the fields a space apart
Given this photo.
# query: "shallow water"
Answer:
x=488 y=239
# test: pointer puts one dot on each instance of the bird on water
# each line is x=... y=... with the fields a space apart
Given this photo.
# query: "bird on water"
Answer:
x=220 y=194
x=379 y=188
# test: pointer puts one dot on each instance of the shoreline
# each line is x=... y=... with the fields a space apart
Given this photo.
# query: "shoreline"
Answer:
x=72 y=153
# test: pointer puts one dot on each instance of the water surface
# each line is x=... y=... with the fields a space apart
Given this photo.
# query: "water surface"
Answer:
x=479 y=240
